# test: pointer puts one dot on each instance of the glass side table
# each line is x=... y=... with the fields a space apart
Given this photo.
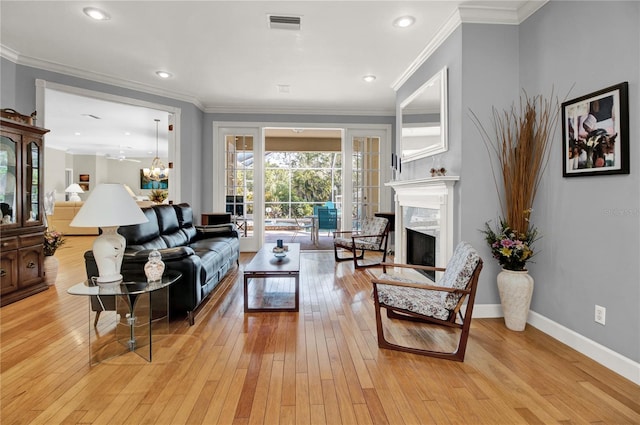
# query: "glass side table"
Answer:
x=141 y=308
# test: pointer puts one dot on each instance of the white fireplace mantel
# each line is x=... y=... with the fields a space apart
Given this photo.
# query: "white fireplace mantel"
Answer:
x=433 y=193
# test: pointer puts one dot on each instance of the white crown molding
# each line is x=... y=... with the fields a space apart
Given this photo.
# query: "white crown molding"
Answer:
x=93 y=76
x=499 y=15
x=441 y=35
x=529 y=8
x=8 y=53
x=240 y=109
x=469 y=14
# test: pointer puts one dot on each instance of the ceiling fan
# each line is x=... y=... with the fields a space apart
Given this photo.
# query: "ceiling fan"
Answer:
x=121 y=158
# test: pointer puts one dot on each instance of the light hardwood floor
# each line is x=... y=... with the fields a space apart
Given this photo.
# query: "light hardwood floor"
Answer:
x=319 y=366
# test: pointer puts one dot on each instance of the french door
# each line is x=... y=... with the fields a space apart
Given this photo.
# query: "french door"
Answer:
x=366 y=195
x=241 y=187
x=239 y=172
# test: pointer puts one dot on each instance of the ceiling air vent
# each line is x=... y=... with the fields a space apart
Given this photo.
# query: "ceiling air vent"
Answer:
x=284 y=22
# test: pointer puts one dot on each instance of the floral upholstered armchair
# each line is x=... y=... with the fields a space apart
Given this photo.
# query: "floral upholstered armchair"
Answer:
x=373 y=236
x=434 y=303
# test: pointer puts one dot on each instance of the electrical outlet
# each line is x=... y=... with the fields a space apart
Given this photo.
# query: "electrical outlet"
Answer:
x=601 y=314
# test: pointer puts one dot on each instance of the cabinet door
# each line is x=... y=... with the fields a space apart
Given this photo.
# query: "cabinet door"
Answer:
x=32 y=181
x=30 y=265
x=10 y=155
x=8 y=272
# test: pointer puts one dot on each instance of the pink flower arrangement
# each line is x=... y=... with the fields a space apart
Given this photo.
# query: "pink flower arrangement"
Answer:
x=52 y=241
x=510 y=248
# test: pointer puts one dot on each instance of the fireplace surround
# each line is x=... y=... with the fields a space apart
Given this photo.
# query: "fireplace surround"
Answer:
x=426 y=206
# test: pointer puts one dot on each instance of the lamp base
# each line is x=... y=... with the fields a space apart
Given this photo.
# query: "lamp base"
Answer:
x=109 y=279
x=74 y=197
x=108 y=251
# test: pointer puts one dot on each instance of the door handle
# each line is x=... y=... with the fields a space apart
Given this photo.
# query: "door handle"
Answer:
x=3 y=272
x=31 y=265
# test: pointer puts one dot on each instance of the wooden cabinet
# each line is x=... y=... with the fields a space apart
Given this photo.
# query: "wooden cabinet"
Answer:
x=215 y=218
x=21 y=200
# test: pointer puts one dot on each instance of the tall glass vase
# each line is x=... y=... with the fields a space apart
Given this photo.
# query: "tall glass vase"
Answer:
x=515 y=289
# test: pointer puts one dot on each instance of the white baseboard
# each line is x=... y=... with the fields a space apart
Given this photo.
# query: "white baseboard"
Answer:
x=486 y=311
x=595 y=351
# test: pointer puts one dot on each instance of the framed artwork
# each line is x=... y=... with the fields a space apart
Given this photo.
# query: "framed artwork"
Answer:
x=84 y=186
x=145 y=183
x=83 y=178
x=595 y=133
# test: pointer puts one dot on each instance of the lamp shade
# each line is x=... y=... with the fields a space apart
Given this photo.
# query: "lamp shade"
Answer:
x=109 y=205
x=74 y=188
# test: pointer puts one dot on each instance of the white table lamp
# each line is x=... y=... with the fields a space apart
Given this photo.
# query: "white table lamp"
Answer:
x=73 y=190
x=108 y=207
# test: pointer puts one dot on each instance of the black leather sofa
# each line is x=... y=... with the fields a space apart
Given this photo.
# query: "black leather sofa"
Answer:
x=203 y=255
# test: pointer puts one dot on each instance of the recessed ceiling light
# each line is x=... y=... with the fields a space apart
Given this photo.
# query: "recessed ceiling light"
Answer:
x=404 y=21
x=163 y=74
x=77 y=133
x=126 y=133
x=97 y=14
x=369 y=78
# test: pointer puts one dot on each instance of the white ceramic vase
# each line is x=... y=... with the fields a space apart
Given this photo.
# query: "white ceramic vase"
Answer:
x=516 y=290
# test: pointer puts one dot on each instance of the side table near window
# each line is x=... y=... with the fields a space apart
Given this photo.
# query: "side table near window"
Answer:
x=141 y=308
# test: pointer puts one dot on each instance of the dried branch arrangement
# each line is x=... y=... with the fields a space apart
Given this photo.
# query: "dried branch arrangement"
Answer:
x=521 y=146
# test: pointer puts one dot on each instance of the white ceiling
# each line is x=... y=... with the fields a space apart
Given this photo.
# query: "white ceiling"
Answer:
x=224 y=57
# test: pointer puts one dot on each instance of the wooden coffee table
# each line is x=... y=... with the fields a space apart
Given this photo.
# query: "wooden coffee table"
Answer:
x=266 y=266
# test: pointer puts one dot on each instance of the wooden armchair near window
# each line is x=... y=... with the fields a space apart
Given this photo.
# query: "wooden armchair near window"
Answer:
x=438 y=304
x=372 y=237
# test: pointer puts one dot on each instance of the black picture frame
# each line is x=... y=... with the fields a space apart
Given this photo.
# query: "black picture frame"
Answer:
x=595 y=133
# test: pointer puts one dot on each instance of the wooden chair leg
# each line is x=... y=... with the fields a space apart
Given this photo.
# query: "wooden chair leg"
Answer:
x=349 y=258
x=457 y=355
x=361 y=266
x=95 y=321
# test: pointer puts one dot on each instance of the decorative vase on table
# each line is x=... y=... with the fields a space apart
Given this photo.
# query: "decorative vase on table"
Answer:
x=154 y=268
x=50 y=269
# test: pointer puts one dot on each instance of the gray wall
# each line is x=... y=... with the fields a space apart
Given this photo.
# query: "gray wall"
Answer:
x=196 y=147
x=471 y=54
x=489 y=78
x=19 y=93
x=590 y=250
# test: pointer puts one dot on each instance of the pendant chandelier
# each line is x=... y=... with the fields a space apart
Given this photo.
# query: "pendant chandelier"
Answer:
x=157 y=171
